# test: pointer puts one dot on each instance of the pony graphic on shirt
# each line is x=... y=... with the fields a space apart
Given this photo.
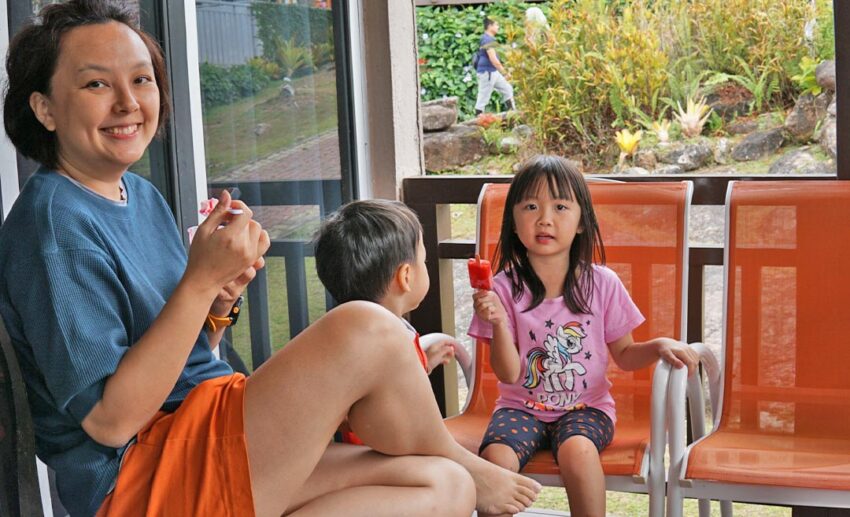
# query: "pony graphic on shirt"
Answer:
x=553 y=364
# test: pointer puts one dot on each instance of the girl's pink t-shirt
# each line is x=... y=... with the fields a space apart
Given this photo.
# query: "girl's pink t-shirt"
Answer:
x=563 y=356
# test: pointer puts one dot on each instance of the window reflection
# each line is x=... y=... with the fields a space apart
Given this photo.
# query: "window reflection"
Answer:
x=268 y=85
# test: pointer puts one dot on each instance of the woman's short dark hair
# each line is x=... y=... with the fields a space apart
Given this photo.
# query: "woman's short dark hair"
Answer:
x=31 y=63
x=564 y=182
x=360 y=246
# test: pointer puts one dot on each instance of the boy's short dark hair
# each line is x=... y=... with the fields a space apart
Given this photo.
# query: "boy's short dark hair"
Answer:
x=360 y=246
x=488 y=22
x=31 y=63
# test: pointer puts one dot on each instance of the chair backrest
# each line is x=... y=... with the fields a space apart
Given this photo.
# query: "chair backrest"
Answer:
x=786 y=309
x=644 y=229
x=18 y=478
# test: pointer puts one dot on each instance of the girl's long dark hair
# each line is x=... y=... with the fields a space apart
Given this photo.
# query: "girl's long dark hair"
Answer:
x=564 y=182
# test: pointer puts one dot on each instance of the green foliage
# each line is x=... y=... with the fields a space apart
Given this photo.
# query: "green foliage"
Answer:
x=447 y=38
x=304 y=26
x=224 y=85
x=291 y=57
x=608 y=64
x=806 y=80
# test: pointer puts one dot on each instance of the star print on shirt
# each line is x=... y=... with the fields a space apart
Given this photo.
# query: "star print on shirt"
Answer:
x=549 y=324
x=588 y=355
x=584 y=383
x=587 y=322
x=531 y=335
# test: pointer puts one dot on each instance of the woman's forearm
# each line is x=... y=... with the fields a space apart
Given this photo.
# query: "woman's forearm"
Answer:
x=149 y=370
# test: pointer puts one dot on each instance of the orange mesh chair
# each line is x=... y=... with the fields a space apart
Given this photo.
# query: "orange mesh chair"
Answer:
x=644 y=228
x=782 y=432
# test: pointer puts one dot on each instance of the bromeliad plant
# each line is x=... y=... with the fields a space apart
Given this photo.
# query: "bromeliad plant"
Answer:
x=662 y=131
x=693 y=119
x=628 y=143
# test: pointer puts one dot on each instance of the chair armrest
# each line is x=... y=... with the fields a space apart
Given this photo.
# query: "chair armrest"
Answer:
x=678 y=388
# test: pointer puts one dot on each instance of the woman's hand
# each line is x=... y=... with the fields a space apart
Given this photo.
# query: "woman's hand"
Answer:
x=230 y=292
x=489 y=307
x=224 y=259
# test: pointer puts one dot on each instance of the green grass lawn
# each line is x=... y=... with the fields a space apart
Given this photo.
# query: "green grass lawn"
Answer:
x=279 y=307
x=232 y=135
x=621 y=504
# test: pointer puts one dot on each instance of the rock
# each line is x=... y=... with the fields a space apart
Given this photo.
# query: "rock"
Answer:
x=832 y=110
x=688 y=156
x=801 y=161
x=742 y=126
x=522 y=131
x=668 y=169
x=456 y=147
x=825 y=74
x=446 y=102
x=639 y=171
x=828 y=137
x=261 y=128
x=805 y=116
x=646 y=159
x=730 y=106
x=508 y=145
x=722 y=151
x=437 y=118
x=758 y=145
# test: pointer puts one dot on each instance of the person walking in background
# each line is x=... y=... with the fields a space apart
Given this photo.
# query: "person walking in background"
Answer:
x=491 y=73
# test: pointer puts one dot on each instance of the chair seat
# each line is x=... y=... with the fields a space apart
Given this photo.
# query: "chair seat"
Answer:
x=623 y=457
x=777 y=460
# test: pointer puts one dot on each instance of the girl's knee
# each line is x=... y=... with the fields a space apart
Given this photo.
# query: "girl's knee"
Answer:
x=501 y=455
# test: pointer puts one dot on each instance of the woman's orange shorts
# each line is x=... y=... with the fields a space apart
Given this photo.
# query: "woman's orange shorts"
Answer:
x=190 y=462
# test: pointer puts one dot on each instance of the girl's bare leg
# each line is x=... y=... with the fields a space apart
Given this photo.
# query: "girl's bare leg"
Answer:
x=358 y=360
x=581 y=472
x=503 y=456
x=352 y=480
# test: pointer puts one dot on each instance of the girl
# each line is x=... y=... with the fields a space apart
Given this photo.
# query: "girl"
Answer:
x=552 y=320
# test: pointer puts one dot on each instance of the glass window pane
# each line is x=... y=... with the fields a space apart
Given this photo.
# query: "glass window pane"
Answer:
x=268 y=82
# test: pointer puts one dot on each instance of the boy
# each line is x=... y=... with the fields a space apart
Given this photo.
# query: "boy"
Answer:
x=372 y=250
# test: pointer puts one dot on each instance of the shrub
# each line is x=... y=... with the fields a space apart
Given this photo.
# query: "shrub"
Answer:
x=447 y=38
x=223 y=85
x=305 y=26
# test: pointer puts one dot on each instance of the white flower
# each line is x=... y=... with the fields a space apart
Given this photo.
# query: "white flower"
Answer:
x=467 y=78
x=458 y=35
x=423 y=91
x=513 y=45
x=425 y=36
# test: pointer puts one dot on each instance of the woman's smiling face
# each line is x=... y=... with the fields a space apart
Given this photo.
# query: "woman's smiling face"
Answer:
x=104 y=102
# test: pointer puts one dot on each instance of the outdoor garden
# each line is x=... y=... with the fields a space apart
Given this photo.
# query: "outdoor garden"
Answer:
x=638 y=87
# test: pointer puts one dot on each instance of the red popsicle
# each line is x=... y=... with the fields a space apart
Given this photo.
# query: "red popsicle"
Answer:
x=480 y=274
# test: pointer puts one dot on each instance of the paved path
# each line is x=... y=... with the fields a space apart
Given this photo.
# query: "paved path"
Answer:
x=316 y=158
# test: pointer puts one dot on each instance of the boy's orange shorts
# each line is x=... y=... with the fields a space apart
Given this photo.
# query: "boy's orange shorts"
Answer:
x=190 y=462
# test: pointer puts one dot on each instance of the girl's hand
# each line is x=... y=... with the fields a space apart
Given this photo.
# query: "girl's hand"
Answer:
x=489 y=307
x=219 y=256
x=678 y=354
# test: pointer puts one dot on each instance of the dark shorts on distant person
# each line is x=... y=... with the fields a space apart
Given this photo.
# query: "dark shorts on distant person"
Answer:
x=190 y=462
x=525 y=434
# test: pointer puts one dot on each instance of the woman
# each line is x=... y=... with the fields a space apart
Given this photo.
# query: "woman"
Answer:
x=131 y=408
